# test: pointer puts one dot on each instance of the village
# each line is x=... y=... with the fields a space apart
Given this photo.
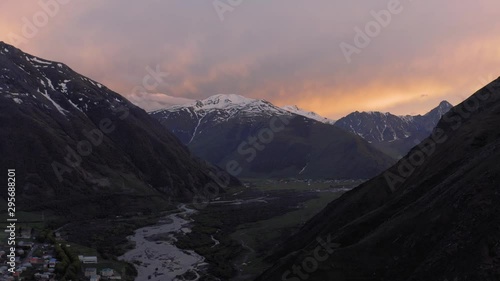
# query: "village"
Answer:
x=46 y=256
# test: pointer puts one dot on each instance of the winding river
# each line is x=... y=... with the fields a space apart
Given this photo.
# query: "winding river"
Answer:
x=155 y=256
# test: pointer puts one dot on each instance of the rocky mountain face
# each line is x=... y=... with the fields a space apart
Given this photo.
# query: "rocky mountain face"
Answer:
x=190 y=121
x=263 y=140
x=80 y=147
x=393 y=134
x=434 y=215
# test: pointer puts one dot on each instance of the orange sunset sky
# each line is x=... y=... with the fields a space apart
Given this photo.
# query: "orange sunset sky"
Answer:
x=284 y=51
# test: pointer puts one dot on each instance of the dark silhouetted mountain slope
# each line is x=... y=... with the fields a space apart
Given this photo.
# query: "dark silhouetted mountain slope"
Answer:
x=80 y=147
x=432 y=216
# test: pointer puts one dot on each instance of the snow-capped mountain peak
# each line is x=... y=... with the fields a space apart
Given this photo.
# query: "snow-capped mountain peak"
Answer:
x=224 y=101
x=228 y=106
x=383 y=128
x=53 y=87
x=235 y=106
x=214 y=110
x=441 y=109
x=309 y=114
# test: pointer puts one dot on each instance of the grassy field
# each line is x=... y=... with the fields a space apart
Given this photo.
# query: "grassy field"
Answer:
x=300 y=185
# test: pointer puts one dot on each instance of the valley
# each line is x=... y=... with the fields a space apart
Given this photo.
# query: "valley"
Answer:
x=244 y=225
x=185 y=243
x=196 y=163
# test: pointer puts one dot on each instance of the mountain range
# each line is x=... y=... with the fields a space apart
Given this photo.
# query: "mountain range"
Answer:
x=215 y=128
x=393 y=134
x=264 y=140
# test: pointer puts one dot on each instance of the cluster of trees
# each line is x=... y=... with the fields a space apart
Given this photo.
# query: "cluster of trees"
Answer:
x=69 y=265
x=46 y=236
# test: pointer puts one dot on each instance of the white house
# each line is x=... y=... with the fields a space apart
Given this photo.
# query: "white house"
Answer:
x=90 y=271
x=107 y=272
x=88 y=259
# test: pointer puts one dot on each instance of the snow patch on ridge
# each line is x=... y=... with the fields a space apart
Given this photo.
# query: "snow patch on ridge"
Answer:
x=56 y=105
x=309 y=114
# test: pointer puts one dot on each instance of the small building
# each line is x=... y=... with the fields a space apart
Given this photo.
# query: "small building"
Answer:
x=35 y=260
x=88 y=259
x=52 y=263
x=26 y=233
x=21 y=269
x=25 y=245
x=107 y=272
x=3 y=269
x=95 y=278
x=42 y=276
x=90 y=271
